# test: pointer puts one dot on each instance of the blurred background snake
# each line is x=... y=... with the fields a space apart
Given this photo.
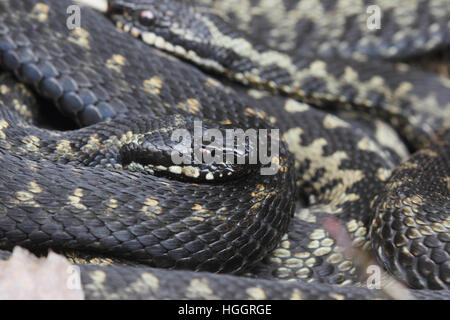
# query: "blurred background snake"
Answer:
x=86 y=116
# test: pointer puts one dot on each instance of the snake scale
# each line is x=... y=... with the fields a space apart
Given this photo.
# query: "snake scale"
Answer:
x=85 y=120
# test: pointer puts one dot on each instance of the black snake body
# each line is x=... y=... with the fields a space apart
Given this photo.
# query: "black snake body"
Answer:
x=68 y=190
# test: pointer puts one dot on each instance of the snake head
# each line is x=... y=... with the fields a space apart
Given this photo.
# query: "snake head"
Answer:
x=177 y=27
x=189 y=149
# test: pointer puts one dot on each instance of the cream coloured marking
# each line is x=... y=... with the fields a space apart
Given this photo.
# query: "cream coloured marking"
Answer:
x=383 y=174
x=335 y=258
x=22 y=109
x=199 y=288
x=313 y=244
x=317 y=234
x=63 y=148
x=302 y=255
x=322 y=251
x=211 y=82
x=428 y=152
x=245 y=49
x=314 y=152
x=98 y=277
x=92 y=145
x=26 y=198
x=260 y=193
x=447 y=179
x=175 y=169
x=352 y=225
x=337 y=296
x=407 y=165
x=153 y=85
x=25 y=90
x=80 y=37
x=303 y=273
x=296 y=295
x=116 y=62
x=330 y=24
x=3 y=125
x=74 y=258
x=34 y=187
x=260 y=114
x=151 y=207
x=331 y=122
x=257 y=94
x=100 y=5
x=112 y=203
x=145 y=282
x=31 y=143
x=327 y=242
x=345 y=265
x=298 y=264
x=190 y=171
x=199 y=213
x=199 y=208
x=316 y=69
x=305 y=214
x=387 y=137
x=285 y=243
x=150 y=280
x=191 y=105
x=310 y=262
x=368 y=144
x=293 y=106
x=430 y=104
x=137 y=167
x=159 y=42
x=40 y=12
x=4 y=89
x=446 y=222
x=350 y=76
x=75 y=199
x=256 y=293
x=293 y=263
x=281 y=253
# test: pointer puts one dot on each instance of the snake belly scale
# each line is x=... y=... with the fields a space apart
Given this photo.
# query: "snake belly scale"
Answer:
x=104 y=188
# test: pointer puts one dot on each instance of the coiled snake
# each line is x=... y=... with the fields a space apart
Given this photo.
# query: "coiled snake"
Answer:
x=108 y=188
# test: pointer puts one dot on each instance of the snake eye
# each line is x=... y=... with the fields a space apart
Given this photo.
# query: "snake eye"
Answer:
x=147 y=18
